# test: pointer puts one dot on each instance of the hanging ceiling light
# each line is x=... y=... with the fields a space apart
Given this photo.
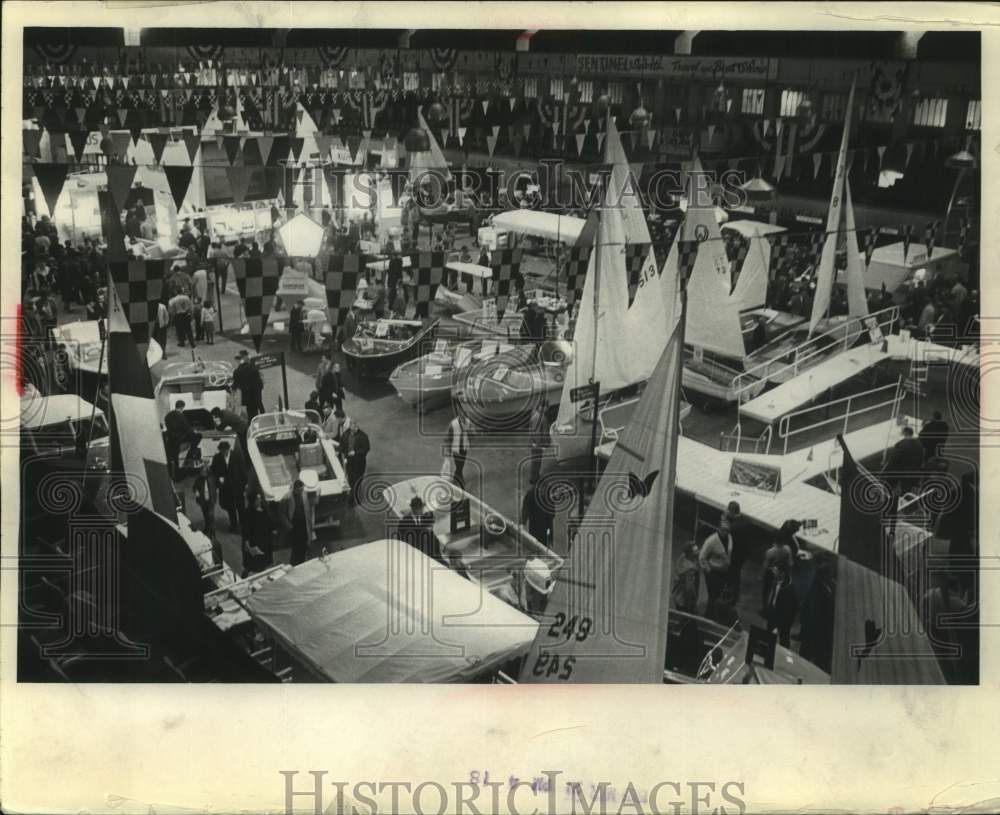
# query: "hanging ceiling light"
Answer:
x=962 y=160
x=301 y=236
x=757 y=189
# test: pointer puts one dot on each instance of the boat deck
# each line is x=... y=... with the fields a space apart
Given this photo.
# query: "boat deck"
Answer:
x=812 y=383
x=703 y=473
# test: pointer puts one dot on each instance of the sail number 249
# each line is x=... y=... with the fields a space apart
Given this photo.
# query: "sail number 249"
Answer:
x=561 y=667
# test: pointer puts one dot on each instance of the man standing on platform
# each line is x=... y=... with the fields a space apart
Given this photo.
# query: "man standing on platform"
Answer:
x=715 y=559
x=181 y=311
x=296 y=326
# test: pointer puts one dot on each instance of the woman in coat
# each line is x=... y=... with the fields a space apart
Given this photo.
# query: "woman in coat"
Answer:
x=258 y=551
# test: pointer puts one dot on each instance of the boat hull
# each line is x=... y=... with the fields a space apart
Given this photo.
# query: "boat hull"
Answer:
x=457 y=302
x=421 y=392
x=381 y=365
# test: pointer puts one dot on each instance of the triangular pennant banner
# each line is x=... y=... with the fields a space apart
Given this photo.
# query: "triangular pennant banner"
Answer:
x=907 y=237
x=239 y=182
x=580 y=138
x=51 y=178
x=232 y=146
x=909 y=152
x=192 y=141
x=817 y=161
x=264 y=144
x=78 y=138
x=491 y=144
x=178 y=179
x=428 y=270
x=251 y=153
x=158 y=141
x=120 y=177
x=296 y=143
x=341 y=287
x=121 y=141
x=881 y=154
x=139 y=285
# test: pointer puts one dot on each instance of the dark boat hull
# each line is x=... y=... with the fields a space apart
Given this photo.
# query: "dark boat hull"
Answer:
x=369 y=365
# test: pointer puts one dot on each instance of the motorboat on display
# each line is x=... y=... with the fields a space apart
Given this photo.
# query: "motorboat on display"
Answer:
x=202 y=386
x=503 y=383
x=378 y=347
x=331 y=614
x=701 y=651
x=83 y=347
x=427 y=381
x=471 y=285
x=289 y=445
x=476 y=541
x=66 y=431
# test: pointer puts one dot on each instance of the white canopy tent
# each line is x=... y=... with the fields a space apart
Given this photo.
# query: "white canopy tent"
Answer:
x=385 y=612
x=548 y=225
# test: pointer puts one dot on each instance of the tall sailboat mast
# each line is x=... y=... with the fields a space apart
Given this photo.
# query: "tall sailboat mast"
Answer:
x=826 y=276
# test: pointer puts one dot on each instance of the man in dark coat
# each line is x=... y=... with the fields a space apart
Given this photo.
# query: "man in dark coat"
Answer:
x=906 y=462
x=331 y=388
x=178 y=432
x=251 y=387
x=355 y=446
x=416 y=527
x=782 y=606
x=225 y=419
x=206 y=495
x=230 y=476
x=296 y=326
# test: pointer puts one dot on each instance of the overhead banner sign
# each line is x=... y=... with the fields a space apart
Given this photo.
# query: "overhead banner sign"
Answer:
x=686 y=67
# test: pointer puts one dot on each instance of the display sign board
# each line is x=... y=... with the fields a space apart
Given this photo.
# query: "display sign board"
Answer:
x=756 y=475
x=263 y=361
x=874 y=331
x=584 y=392
x=490 y=310
x=690 y=67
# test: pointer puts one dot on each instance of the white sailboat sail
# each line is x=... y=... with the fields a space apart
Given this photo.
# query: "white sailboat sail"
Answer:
x=857 y=302
x=751 y=285
x=713 y=319
x=606 y=620
x=601 y=348
x=423 y=161
x=653 y=314
x=826 y=272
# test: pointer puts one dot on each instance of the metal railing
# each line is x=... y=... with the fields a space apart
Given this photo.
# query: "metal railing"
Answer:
x=814 y=350
x=785 y=432
x=734 y=441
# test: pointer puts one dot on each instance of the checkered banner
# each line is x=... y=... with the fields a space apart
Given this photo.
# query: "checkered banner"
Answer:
x=635 y=257
x=139 y=284
x=930 y=236
x=814 y=250
x=428 y=272
x=687 y=254
x=342 y=276
x=868 y=239
x=506 y=265
x=780 y=249
x=257 y=279
x=575 y=271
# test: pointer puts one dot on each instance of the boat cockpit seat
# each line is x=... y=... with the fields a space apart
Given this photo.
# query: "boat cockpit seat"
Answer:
x=310 y=455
